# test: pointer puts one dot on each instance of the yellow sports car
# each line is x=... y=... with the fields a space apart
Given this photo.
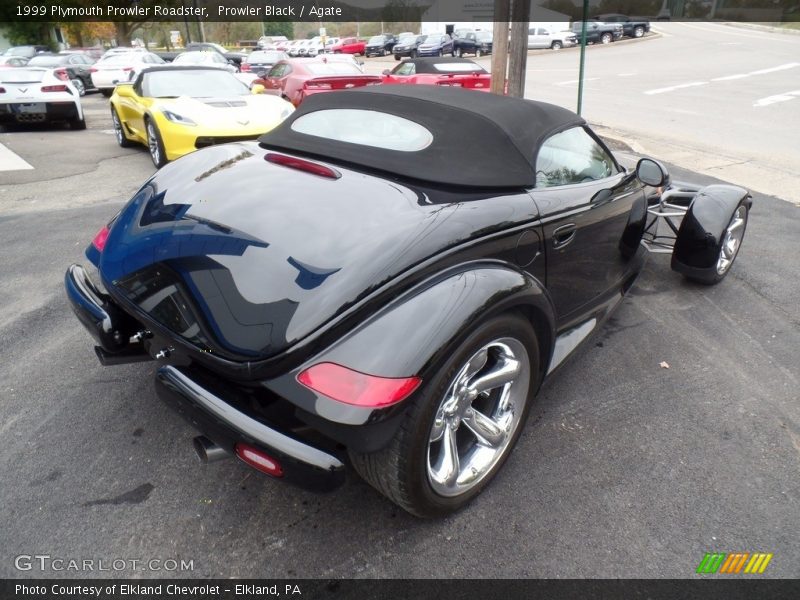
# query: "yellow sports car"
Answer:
x=174 y=111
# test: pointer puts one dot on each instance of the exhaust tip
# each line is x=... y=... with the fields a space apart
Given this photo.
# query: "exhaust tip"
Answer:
x=207 y=451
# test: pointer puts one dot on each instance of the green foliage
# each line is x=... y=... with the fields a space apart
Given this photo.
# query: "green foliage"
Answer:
x=20 y=33
x=279 y=28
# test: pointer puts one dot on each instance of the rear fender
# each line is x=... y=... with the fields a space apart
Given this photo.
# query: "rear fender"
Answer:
x=413 y=336
x=701 y=232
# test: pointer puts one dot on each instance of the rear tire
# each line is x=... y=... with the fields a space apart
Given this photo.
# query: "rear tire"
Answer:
x=78 y=84
x=78 y=124
x=606 y=38
x=457 y=52
x=425 y=469
x=478 y=53
x=396 y=57
x=107 y=93
x=638 y=32
x=556 y=45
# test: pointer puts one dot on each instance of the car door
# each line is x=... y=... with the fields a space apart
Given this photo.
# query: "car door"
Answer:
x=132 y=108
x=585 y=200
x=402 y=73
x=276 y=79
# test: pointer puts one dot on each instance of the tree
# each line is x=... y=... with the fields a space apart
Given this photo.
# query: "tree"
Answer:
x=285 y=28
x=28 y=32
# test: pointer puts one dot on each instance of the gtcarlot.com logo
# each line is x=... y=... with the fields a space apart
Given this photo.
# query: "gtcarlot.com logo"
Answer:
x=734 y=563
x=46 y=562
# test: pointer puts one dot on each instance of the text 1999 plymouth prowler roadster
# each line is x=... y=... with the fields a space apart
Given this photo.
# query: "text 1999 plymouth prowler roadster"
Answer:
x=357 y=286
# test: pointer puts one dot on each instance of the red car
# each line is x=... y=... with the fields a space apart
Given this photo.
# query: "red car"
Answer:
x=349 y=46
x=297 y=78
x=452 y=72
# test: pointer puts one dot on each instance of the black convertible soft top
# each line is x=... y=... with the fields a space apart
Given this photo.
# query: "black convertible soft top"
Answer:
x=479 y=139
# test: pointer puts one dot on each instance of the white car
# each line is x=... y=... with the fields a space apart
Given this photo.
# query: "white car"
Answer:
x=31 y=95
x=540 y=37
x=214 y=60
x=120 y=68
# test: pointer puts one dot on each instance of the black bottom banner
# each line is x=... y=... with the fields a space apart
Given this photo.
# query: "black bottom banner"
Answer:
x=386 y=589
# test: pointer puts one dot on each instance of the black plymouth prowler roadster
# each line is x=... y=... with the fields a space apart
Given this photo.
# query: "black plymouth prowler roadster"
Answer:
x=386 y=279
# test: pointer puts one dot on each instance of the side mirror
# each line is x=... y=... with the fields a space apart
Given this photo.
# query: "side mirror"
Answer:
x=651 y=172
x=124 y=90
x=386 y=72
x=257 y=89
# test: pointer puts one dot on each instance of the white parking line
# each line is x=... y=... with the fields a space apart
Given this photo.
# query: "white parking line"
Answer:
x=10 y=161
x=675 y=87
x=784 y=67
x=777 y=98
x=573 y=81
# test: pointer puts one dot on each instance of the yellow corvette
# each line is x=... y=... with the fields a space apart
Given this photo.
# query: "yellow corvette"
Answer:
x=174 y=111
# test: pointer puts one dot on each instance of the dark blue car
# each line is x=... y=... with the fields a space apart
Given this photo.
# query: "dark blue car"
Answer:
x=436 y=44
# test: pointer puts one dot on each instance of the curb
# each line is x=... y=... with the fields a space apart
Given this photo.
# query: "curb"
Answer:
x=763 y=27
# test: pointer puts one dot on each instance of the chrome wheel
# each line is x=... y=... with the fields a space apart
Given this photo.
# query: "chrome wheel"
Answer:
x=152 y=143
x=731 y=240
x=78 y=84
x=478 y=416
x=117 y=128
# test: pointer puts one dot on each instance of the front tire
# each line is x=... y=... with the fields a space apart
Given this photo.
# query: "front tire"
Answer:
x=732 y=239
x=556 y=45
x=638 y=32
x=457 y=53
x=106 y=92
x=606 y=38
x=155 y=145
x=462 y=424
x=119 y=132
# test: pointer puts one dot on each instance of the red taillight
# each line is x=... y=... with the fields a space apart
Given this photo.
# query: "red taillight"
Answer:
x=93 y=70
x=101 y=238
x=302 y=165
x=245 y=67
x=259 y=460
x=61 y=74
x=359 y=389
x=54 y=88
x=126 y=69
x=314 y=85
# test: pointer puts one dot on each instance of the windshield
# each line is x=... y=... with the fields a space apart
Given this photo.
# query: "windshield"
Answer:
x=333 y=68
x=201 y=83
x=46 y=61
x=432 y=39
x=195 y=58
x=19 y=51
x=484 y=36
x=376 y=39
x=121 y=59
x=21 y=76
x=265 y=57
x=407 y=39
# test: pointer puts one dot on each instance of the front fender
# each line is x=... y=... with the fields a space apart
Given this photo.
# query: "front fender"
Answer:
x=701 y=232
x=412 y=336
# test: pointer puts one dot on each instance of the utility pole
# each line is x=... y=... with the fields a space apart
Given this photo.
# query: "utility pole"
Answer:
x=582 y=65
x=518 y=48
x=502 y=13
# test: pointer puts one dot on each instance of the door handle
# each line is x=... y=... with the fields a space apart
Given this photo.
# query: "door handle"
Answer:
x=564 y=235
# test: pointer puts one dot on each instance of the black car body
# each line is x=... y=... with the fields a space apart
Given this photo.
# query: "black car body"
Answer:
x=380 y=45
x=598 y=32
x=73 y=66
x=407 y=46
x=315 y=291
x=631 y=26
x=471 y=42
x=259 y=62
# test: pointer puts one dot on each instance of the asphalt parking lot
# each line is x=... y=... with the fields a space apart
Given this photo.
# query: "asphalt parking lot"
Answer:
x=626 y=468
